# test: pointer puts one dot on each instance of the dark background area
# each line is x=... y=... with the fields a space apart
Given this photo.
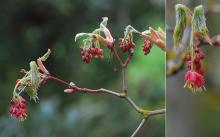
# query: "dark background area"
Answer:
x=188 y=114
x=29 y=27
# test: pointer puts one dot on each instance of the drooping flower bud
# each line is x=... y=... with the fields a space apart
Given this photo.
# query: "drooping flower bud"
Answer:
x=69 y=90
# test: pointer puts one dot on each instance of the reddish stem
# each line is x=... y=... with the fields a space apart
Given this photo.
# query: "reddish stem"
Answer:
x=214 y=40
x=60 y=81
x=118 y=58
x=127 y=60
x=101 y=90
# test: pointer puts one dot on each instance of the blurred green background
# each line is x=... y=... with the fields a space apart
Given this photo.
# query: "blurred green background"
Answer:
x=29 y=27
x=195 y=115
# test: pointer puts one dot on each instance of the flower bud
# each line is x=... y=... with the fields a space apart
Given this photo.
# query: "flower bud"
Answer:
x=70 y=90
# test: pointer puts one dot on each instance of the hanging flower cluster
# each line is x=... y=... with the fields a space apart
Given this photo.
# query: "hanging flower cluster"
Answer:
x=126 y=45
x=157 y=37
x=18 y=108
x=91 y=42
x=93 y=51
x=194 y=77
x=29 y=83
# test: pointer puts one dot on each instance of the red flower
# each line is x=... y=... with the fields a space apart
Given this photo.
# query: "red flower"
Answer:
x=86 y=56
x=146 y=47
x=194 y=81
x=18 y=108
x=96 y=52
x=126 y=45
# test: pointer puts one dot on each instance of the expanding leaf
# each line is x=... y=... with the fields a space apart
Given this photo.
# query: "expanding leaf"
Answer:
x=199 y=24
x=128 y=32
x=146 y=32
x=46 y=55
x=129 y=29
x=80 y=36
x=35 y=75
x=87 y=42
x=97 y=31
x=183 y=18
x=104 y=22
x=32 y=94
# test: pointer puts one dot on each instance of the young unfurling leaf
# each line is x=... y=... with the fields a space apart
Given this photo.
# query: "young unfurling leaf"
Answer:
x=46 y=55
x=104 y=21
x=82 y=36
x=183 y=18
x=199 y=28
x=35 y=76
x=40 y=62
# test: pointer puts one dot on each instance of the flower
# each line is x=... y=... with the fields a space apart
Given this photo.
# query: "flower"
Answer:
x=126 y=45
x=18 y=108
x=96 y=51
x=194 y=81
x=86 y=56
x=146 y=47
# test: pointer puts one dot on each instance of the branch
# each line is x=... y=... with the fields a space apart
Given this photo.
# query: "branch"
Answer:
x=132 y=103
x=150 y=113
x=139 y=127
x=123 y=66
x=156 y=112
x=214 y=40
x=127 y=60
x=118 y=58
x=144 y=112
x=101 y=90
x=124 y=86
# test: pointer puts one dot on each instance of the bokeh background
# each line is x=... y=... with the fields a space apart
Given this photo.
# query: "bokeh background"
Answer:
x=195 y=115
x=29 y=27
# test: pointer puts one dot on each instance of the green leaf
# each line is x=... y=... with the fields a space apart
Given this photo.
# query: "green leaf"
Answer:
x=35 y=75
x=46 y=55
x=32 y=94
x=104 y=22
x=199 y=21
x=97 y=31
x=183 y=18
x=146 y=32
x=129 y=29
x=80 y=36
